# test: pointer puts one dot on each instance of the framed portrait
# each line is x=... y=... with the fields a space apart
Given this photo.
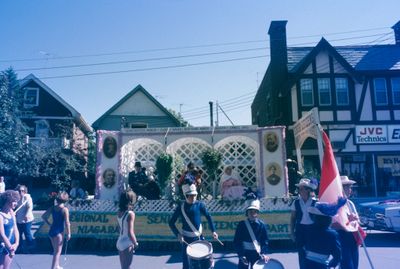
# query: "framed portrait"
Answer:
x=271 y=141
x=110 y=147
x=109 y=176
x=274 y=173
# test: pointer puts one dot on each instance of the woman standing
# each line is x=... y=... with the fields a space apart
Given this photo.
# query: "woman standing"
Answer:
x=127 y=242
x=60 y=217
x=8 y=228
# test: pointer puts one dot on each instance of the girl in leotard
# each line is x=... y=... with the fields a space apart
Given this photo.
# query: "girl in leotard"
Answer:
x=60 y=220
x=127 y=242
x=9 y=235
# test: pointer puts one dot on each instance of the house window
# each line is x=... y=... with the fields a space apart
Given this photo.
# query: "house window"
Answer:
x=342 y=91
x=324 y=92
x=42 y=128
x=307 y=96
x=396 y=91
x=138 y=125
x=31 y=97
x=381 y=97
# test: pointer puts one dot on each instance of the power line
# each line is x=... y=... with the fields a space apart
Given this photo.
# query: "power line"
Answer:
x=141 y=60
x=153 y=68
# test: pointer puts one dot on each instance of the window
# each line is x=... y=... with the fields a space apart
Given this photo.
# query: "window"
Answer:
x=324 y=92
x=42 y=128
x=342 y=91
x=31 y=97
x=138 y=125
x=307 y=96
x=396 y=91
x=381 y=97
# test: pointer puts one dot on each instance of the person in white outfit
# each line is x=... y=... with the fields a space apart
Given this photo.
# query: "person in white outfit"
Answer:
x=2 y=184
x=24 y=215
x=127 y=242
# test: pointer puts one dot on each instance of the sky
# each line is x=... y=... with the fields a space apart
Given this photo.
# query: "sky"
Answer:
x=185 y=53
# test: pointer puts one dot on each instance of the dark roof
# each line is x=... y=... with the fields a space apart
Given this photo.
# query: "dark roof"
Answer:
x=75 y=114
x=361 y=58
x=126 y=97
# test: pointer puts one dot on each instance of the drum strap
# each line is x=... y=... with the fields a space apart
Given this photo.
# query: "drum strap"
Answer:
x=195 y=231
x=253 y=237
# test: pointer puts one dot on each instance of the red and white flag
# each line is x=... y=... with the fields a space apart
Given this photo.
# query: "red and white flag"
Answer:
x=331 y=186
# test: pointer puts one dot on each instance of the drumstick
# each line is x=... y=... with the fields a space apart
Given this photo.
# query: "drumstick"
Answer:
x=219 y=241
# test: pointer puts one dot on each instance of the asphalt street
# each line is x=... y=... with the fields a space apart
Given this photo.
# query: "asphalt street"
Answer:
x=383 y=249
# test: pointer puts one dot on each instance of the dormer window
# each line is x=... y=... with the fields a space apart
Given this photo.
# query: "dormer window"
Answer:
x=396 y=91
x=307 y=96
x=380 y=90
x=31 y=97
x=324 y=92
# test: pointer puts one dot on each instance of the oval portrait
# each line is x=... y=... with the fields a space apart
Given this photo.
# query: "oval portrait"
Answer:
x=109 y=178
x=271 y=141
x=274 y=173
x=110 y=147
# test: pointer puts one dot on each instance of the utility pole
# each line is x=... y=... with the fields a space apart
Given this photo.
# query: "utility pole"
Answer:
x=211 y=113
x=216 y=112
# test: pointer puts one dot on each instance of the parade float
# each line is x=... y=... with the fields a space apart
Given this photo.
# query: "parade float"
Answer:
x=257 y=155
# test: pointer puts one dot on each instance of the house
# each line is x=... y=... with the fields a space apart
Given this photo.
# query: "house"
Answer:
x=356 y=90
x=45 y=110
x=137 y=109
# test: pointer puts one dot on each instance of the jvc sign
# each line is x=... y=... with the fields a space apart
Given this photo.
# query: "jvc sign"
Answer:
x=377 y=134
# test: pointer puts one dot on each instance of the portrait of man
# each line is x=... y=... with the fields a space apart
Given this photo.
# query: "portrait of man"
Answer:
x=109 y=178
x=271 y=141
x=274 y=173
x=110 y=147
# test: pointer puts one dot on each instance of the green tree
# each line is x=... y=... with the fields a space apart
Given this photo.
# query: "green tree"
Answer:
x=180 y=118
x=62 y=164
x=17 y=157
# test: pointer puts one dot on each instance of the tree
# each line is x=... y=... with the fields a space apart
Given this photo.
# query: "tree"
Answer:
x=180 y=118
x=62 y=164
x=17 y=157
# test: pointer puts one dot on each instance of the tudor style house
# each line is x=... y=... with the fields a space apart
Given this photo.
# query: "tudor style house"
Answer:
x=356 y=90
x=45 y=110
x=137 y=109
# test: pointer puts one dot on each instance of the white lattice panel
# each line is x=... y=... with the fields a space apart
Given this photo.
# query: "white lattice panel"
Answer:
x=144 y=150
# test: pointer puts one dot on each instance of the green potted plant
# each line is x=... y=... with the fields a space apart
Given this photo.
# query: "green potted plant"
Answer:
x=164 y=170
x=211 y=160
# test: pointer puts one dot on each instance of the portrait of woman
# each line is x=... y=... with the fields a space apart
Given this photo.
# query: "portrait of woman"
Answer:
x=110 y=147
x=109 y=178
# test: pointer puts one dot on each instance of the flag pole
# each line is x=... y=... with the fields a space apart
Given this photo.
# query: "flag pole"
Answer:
x=365 y=249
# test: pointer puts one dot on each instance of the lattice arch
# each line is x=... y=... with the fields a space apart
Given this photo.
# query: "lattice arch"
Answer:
x=144 y=150
x=242 y=153
x=187 y=150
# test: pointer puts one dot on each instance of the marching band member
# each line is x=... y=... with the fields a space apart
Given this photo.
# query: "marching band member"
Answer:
x=190 y=214
x=300 y=221
x=323 y=242
x=251 y=239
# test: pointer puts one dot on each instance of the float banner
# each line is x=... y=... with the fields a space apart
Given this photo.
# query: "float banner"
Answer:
x=154 y=226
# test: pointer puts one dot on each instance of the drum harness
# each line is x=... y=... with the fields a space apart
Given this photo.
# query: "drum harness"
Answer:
x=249 y=246
x=195 y=232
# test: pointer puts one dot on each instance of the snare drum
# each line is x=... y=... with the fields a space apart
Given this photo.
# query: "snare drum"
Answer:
x=200 y=255
x=271 y=264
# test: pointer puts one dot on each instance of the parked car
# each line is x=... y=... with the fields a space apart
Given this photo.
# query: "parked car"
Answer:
x=382 y=215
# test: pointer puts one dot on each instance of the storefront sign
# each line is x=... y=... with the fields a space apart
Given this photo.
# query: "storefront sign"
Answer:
x=394 y=133
x=371 y=134
x=154 y=226
x=391 y=163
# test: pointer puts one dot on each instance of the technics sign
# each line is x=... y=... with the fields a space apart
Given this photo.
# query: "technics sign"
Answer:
x=377 y=134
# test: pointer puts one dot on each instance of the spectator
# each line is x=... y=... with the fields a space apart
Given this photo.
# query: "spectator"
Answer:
x=2 y=184
x=25 y=217
x=138 y=180
x=76 y=191
x=231 y=185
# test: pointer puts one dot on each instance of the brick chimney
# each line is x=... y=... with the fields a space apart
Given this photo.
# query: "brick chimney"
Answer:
x=278 y=47
x=396 y=30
